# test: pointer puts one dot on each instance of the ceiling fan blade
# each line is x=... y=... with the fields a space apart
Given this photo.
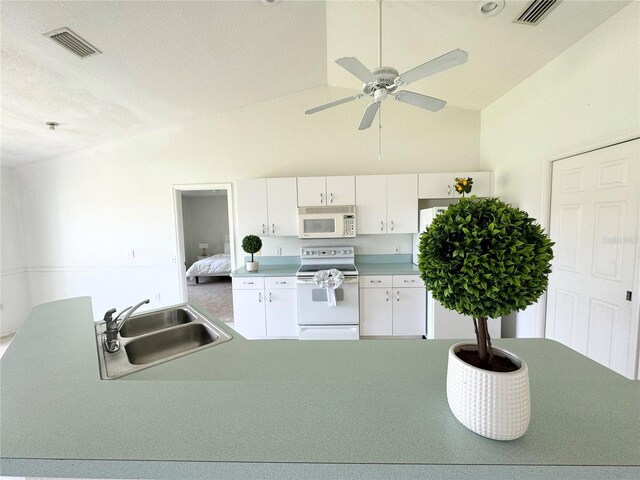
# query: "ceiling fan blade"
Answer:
x=355 y=67
x=333 y=104
x=369 y=115
x=448 y=60
x=419 y=100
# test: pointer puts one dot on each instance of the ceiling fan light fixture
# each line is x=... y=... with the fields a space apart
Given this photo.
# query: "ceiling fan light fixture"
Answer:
x=490 y=8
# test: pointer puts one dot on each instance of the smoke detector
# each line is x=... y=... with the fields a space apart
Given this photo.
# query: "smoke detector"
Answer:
x=490 y=8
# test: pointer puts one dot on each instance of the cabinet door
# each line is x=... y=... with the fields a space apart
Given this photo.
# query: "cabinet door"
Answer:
x=312 y=191
x=402 y=203
x=249 y=313
x=282 y=206
x=443 y=323
x=409 y=311
x=435 y=185
x=482 y=183
x=375 y=311
x=371 y=206
x=252 y=207
x=341 y=190
x=281 y=313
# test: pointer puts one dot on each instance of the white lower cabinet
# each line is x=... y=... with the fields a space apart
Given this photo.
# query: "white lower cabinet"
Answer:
x=265 y=307
x=392 y=305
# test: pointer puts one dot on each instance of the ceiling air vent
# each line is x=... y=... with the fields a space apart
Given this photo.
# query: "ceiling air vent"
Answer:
x=72 y=42
x=536 y=11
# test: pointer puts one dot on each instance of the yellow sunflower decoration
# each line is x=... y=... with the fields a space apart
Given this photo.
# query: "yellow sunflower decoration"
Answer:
x=463 y=185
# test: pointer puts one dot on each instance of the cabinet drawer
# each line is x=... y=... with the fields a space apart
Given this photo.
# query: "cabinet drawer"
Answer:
x=248 y=283
x=375 y=281
x=407 y=281
x=272 y=283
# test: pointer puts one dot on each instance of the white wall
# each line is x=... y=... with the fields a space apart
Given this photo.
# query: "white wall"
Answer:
x=586 y=97
x=84 y=212
x=205 y=220
x=14 y=296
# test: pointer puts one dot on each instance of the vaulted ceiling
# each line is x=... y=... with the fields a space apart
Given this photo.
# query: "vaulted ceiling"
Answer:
x=164 y=63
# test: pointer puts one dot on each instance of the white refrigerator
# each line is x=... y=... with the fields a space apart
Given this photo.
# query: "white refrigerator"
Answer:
x=441 y=322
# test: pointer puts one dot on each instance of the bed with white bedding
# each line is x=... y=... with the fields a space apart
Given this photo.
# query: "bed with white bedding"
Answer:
x=213 y=266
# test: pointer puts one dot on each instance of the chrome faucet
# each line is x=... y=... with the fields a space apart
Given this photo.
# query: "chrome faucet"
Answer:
x=111 y=342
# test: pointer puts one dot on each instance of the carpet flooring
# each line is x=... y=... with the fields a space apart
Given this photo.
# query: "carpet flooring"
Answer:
x=214 y=295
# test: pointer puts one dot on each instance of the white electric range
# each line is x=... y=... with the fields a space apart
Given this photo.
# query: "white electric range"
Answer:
x=317 y=318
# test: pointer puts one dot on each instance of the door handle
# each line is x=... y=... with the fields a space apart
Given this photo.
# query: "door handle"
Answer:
x=269 y=297
x=397 y=295
x=392 y=225
x=321 y=198
x=382 y=225
x=263 y=229
x=386 y=296
x=259 y=297
x=331 y=197
x=273 y=228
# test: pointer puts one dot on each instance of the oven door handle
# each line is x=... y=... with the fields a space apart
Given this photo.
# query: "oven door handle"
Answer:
x=311 y=281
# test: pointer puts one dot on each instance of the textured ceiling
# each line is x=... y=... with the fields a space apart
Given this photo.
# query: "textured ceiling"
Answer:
x=169 y=62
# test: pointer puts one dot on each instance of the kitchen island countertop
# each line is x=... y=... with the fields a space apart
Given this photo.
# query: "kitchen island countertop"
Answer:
x=290 y=409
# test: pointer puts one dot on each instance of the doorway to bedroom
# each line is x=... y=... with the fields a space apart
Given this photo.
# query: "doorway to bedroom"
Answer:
x=205 y=231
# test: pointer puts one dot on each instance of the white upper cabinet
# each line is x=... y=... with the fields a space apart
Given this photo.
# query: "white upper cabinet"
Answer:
x=441 y=185
x=282 y=210
x=341 y=190
x=387 y=204
x=371 y=205
x=252 y=206
x=402 y=203
x=326 y=191
x=267 y=207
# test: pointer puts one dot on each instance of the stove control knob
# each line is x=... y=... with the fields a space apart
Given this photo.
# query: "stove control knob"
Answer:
x=345 y=252
x=333 y=252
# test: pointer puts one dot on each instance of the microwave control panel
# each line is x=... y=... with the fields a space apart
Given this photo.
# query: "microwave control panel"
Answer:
x=349 y=226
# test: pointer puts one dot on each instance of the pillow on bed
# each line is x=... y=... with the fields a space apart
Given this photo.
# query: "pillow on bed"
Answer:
x=226 y=247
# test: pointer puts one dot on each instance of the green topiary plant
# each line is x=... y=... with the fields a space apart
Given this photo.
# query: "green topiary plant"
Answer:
x=484 y=258
x=251 y=244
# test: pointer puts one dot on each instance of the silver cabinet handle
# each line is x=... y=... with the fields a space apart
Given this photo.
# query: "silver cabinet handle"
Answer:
x=259 y=297
x=269 y=297
x=273 y=228
x=397 y=295
x=331 y=197
x=392 y=225
x=386 y=296
x=409 y=281
x=375 y=281
x=263 y=229
x=321 y=198
x=247 y=283
x=281 y=283
x=448 y=189
x=382 y=225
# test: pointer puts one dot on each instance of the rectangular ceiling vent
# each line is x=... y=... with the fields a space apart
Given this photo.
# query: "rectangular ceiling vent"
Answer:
x=536 y=11
x=72 y=42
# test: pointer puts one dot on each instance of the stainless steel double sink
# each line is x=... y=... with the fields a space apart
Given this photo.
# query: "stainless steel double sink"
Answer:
x=155 y=337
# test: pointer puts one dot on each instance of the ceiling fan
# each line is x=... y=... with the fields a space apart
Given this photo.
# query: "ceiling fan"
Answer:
x=382 y=82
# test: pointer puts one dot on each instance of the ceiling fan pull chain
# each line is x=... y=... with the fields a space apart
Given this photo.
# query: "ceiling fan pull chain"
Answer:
x=380 y=33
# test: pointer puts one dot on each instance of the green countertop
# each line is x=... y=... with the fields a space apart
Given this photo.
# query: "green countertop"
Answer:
x=402 y=268
x=369 y=409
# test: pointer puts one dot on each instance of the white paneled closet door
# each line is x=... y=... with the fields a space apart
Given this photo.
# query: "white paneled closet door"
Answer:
x=594 y=222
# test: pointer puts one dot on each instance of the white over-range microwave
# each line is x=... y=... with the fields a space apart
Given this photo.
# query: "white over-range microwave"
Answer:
x=327 y=222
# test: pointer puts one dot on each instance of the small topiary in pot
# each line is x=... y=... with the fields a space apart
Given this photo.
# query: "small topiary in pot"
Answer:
x=484 y=258
x=251 y=244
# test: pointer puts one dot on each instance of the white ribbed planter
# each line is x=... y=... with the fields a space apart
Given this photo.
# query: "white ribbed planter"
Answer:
x=495 y=405
x=251 y=266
